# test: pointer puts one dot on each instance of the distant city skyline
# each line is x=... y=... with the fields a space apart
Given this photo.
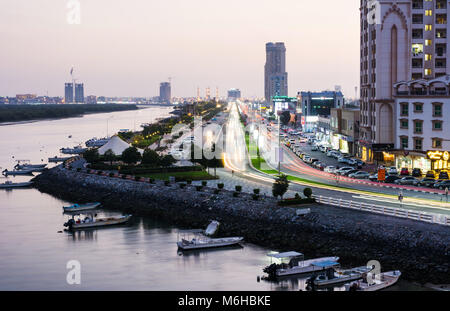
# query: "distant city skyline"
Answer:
x=127 y=48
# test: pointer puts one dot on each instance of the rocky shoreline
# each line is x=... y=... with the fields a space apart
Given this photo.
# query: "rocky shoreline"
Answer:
x=420 y=250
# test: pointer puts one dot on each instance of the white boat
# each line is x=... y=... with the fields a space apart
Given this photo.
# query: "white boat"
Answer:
x=194 y=239
x=381 y=281
x=74 y=150
x=17 y=172
x=97 y=142
x=26 y=166
x=290 y=263
x=91 y=221
x=9 y=184
x=58 y=159
x=332 y=276
x=81 y=207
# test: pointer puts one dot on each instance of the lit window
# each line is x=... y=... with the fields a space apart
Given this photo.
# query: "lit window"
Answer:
x=428 y=27
x=427 y=72
x=428 y=57
x=428 y=12
x=428 y=42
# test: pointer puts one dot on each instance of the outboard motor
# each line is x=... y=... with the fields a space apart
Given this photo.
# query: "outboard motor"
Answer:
x=310 y=286
x=69 y=224
x=271 y=271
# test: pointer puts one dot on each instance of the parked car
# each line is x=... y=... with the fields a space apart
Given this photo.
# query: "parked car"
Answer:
x=342 y=160
x=315 y=148
x=343 y=170
x=349 y=172
x=330 y=153
x=408 y=180
x=404 y=171
x=431 y=174
x=352 y=162
x=306 y=159
x=391 y=179
x=360 y=162
x=416 y=172
x=426 y=182
x=442 y=185
x=360 y=175
x=443 y=175
x=373 y=177
x=330 y=169
x=393 y=171
x=313 y=160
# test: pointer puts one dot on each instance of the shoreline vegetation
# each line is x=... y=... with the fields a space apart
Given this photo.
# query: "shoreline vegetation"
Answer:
x=18 y=113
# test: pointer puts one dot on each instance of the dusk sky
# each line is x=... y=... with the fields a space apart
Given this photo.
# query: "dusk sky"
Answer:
x=127 y=47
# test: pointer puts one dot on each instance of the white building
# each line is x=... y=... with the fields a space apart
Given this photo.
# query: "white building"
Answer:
x=400 y=41
x=423 y=123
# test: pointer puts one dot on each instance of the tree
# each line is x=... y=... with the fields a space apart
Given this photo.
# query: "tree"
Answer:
x=167 y=161
x=131 y=155
x=91 y=155
x=109 y=156
x=280 y=186
x=285 y=117
x=151 y=158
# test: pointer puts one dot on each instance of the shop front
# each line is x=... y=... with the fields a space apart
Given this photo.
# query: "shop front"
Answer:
x=439 y=160
x=335 y=141
x=346 y=144
x=412 y=161
x=364 y=151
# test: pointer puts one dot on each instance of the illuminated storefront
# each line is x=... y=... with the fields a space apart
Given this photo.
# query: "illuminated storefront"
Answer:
x=412 y=161
x=335 y=142
x=439 y=159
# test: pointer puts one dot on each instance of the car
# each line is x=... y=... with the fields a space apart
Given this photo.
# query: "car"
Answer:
x=330 y=153
x=442 y=185
x=416 y=172
x=349 y=172
x=315 y=148
x=352 y=162
x=342 y=160
x=404 y=171
x=330 y=169
x=292 y=141
x=408 y=180
x=431 y=174
x=373 y=177
x=313 y=160
x=360 y=162
x=391 y=179
x=306 y=158
x=393 y=171
x=426 y=182
x=443 y=175
x=359 y=175
x=343 y=170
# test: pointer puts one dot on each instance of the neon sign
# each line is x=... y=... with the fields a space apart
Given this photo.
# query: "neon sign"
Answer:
x=438 y=155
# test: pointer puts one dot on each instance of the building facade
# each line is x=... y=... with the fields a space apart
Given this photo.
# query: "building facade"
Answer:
x=275 y=75
x=79 y=93
x=165 y=93
x=400 y=41
x=68 y=93
x=234 y=94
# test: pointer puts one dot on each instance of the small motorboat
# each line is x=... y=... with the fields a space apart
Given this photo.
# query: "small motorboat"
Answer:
x=381 y=281
x=97 y=142
x=74 y=150
x=333 y=276
x=81 y=207
x=58 y=159
x=9 y=185
x=194 y=239
x=27 y=166
x=290 y=263
x=91 y=221
x=17 y=172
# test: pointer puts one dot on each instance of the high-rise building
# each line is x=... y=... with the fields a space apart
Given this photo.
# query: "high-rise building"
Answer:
x=79 y=92
x=234 y=94
x=91 y=100
x=68 y=93
x=275 y=75
x=165 y=93
x=400 y=41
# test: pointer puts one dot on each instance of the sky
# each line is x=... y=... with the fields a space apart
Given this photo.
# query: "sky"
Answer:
x=127 y=47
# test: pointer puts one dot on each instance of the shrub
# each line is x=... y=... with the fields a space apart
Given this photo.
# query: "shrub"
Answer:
x=307 y=192
x=238 y=188
x=235 y=194
x=280 y=186
x=166 y=182
x=198 y=188
x=204 y=183
x=256 y=191
x=216 y=191
x=220 y=186
x=255 y=197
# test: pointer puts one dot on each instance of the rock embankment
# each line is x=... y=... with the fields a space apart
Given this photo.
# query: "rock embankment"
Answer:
x=420 y=250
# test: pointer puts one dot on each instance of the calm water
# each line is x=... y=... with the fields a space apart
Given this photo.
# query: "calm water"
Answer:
x=139 y=256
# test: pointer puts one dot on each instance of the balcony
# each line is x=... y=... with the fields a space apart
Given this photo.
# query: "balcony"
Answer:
x=422 y=93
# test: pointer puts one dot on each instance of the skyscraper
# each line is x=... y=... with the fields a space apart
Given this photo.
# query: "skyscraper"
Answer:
x=68 y=93
x=275 y=75
x=165 y=93
x=79 y=92
x=400 y=41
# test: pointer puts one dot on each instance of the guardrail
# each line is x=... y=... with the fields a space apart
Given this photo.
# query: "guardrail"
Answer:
x=390 y=211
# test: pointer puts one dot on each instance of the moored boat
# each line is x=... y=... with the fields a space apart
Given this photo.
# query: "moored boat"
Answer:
x=194 y=239
x=333 y=276
x=381 y=281
x=74 y=150
x=81 y=207
x=97 y=142
x=291 y=263
x=58 y=159
x=91 y=221
x=17 y=172
x=28 y=166
x=9 y=184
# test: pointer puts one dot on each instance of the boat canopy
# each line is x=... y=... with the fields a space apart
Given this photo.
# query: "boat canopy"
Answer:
x=325 y=264
x=285 y=255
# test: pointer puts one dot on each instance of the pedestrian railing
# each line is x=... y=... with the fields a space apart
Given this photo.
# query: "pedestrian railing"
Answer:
x=390 y=211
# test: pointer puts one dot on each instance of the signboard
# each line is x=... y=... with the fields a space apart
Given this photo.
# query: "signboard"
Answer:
x=438 y=155
x=381 y=174
x=382 y=147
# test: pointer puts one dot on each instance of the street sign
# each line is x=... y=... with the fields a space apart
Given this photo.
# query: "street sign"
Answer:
x=381 y=174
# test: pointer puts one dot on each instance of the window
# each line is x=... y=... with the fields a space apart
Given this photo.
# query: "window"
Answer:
x=418 y=107
x=428 y=57
x=418 y=127
x=437 y=125
x=417 y=143
x=437 y=109
x=428 y=12
x=428 y=42
x=404 y=142
x=417 y=34
x=441 y=19
x=428 y=27
x=441 y=33
x=404 y=109
x=427 y=72
x=404 y=124
x=417 y=49
x=437 y=143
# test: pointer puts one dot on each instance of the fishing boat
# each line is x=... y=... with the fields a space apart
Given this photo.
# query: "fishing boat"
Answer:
x=81 y=207
x=17 y=172
x=290 y=263
x=9 y=184
x=58 y=159
x=28 y=165
x=74 y=150
x=195 y=239
x=333 y=276
x=381 y=281
x=96 y=142
x=91 y=221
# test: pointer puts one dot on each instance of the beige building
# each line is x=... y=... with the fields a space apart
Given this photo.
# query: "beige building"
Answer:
x=400 y=41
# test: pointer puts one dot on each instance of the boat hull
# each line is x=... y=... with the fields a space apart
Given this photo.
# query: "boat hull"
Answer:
x=81 y=208
x=213 y=244
x=18 y=185
x=14 y=173
x=306 y=268
x=100 y=223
